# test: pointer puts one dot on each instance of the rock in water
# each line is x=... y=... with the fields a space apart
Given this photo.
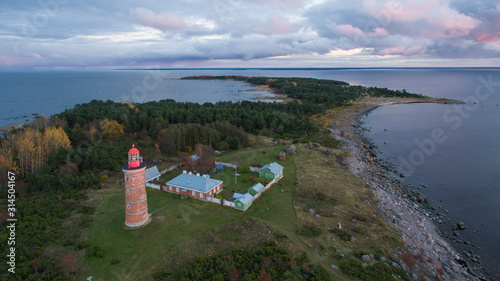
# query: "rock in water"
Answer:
x=461 y=225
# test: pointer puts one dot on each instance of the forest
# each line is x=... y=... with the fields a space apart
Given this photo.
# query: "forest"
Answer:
x=56 y=159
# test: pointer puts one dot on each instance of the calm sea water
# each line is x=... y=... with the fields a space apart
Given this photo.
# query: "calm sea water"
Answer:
x=453 y=149
x=460 y=165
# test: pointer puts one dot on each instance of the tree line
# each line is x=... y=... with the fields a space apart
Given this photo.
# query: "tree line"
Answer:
x=26 y=151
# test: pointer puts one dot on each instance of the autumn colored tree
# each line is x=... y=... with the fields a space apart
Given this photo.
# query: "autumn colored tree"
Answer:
x=33 y=148
x=7 y=162
x=111 y=129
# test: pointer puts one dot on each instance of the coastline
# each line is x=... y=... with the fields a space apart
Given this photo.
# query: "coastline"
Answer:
x=434 y=256
x=8 y=128
x=275 y=95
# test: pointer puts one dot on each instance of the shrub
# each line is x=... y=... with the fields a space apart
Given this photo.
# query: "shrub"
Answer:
x=82 y=245
x=376 y=272
x=243 y=169
x=88 y=210
x=310 y=230
x=68 y=243
x=341 y=233
x=115 y=261
x=96 y=251
x=85 y=222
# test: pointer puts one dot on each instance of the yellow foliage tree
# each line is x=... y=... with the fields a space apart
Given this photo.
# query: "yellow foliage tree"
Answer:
x=111 y=129
x=33 y=148
x=7 y=162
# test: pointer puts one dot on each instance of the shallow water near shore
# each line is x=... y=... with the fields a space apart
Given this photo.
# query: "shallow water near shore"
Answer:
x=456 y=165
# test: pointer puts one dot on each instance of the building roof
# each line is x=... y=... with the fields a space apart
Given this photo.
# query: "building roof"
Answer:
x=194 y=157
x=257 y=187
x=152 y=173
x=292 y=146
x=194 y=182
x=246 y=198
x=273 y=167
x=237 y=195
x=133 y=150
x=282 y=153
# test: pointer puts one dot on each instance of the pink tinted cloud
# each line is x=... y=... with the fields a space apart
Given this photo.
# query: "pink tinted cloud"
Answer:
x=275 y=25
x=453 y=24
x=428 y=18
x=485 y=37
x=292 y=3
x=6 y=60
x=348 y=30
x=406 y=10
x=487 y=32
x=162 y=21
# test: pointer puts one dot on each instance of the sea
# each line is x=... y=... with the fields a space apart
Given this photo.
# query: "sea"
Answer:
x=449 y=152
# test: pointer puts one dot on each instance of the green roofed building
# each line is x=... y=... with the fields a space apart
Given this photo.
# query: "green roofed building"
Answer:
x=244 y=202
x=272 y=171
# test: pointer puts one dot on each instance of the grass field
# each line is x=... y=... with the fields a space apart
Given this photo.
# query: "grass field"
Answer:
x=182 y=230
x=177 y=222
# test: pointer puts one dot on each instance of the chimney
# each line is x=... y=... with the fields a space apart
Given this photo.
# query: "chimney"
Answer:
x=190 y=173
x=184 y=171
x=197 y=174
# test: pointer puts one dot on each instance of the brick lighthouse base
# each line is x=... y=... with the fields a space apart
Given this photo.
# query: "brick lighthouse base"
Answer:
x=127 y=225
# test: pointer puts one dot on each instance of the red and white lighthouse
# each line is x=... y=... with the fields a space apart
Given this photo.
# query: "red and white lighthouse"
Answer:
x=136 y=200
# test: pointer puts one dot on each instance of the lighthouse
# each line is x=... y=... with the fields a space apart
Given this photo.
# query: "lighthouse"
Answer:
x=136 y=200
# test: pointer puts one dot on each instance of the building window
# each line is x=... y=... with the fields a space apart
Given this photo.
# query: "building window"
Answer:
x=194 y=193
x=170 y=187
x=201 y=195
x=128 y=206
x=128 y=192
x=177 y=190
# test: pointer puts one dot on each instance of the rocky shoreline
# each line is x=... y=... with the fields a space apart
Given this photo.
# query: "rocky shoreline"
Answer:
x=432 y=257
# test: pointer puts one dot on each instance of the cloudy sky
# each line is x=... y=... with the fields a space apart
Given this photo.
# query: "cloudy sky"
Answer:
x=250 y=33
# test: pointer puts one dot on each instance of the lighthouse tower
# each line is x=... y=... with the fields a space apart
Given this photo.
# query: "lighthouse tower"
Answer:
x=136 y=201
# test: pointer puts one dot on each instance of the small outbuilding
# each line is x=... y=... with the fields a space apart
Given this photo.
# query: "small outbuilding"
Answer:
x=272 y=171
x=282 y=156
x=290 y=149
x=256 y=190
x=152 y=174
x=237 y=195
x=244 y=202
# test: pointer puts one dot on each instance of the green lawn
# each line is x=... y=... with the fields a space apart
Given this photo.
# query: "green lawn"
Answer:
x=177 y=221
x=230 y=187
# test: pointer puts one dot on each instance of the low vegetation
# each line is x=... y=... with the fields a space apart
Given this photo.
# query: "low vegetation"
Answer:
x=267 y=262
